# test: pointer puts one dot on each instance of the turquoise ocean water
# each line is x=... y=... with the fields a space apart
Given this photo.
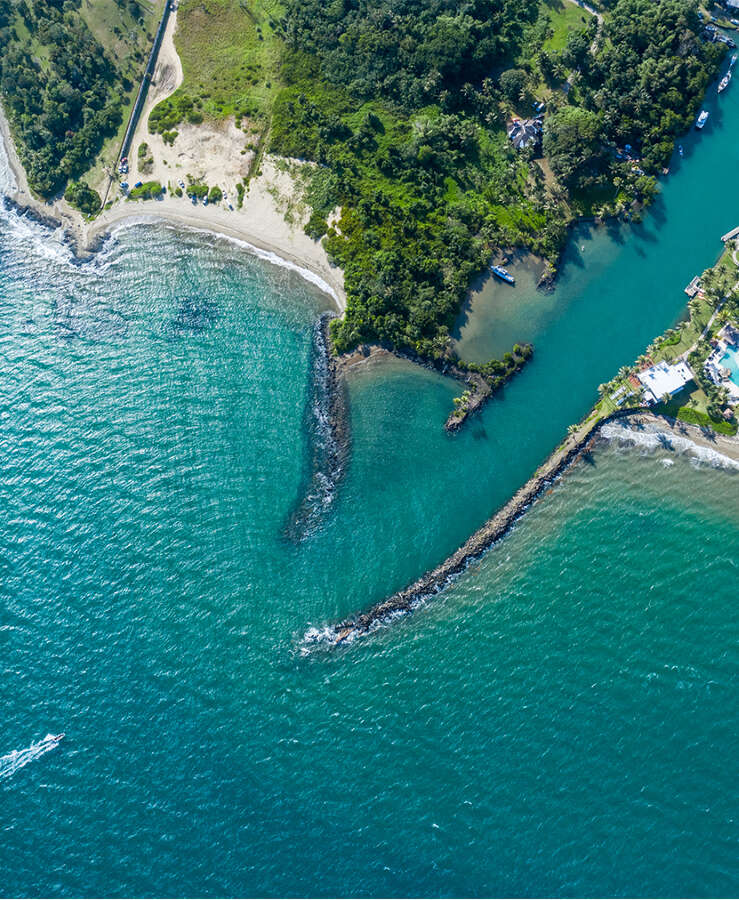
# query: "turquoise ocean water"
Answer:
x=563 y=720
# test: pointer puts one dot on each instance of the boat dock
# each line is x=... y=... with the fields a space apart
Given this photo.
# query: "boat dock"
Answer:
x=730 y=235
x=695 y=285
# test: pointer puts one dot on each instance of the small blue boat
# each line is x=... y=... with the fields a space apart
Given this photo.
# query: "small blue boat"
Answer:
x=503 y=274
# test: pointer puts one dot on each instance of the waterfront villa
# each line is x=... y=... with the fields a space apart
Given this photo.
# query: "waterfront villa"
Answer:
x=663 y=380
x=722 y=366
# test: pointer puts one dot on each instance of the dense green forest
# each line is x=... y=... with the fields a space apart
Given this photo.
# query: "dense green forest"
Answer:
x=402 y=105
x=64 y=88
x=398 y=104
x=647 y=81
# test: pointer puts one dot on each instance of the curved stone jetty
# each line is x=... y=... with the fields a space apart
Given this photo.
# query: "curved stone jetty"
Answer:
x=435 y=580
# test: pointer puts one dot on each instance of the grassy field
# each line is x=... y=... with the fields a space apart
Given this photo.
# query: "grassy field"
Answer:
x=687 y=333
x=692 y=406
x=563 y=17
x=230 y=56
x=126 y=40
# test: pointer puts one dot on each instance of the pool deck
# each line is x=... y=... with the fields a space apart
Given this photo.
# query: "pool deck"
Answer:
x=713 y=364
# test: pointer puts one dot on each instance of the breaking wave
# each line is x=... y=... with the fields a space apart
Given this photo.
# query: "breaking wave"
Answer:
x=651 y=440
x=328 y=434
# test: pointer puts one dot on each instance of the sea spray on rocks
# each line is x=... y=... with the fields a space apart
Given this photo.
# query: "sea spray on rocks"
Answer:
x=326 y=423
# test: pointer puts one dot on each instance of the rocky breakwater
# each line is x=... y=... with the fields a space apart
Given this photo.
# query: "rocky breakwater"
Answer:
x=326 y=421
x=435 y=580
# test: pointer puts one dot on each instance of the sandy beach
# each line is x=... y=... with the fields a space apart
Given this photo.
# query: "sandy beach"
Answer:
x=216 y=153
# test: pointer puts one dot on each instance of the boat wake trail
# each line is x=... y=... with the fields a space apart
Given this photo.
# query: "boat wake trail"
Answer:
x=327 y=426
x=16 y=760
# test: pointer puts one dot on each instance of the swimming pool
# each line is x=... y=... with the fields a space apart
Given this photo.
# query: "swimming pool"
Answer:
x=730 y=360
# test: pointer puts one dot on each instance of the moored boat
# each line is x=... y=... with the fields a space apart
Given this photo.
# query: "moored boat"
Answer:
x=702 y=119
x=724 y=83
x=503 y=274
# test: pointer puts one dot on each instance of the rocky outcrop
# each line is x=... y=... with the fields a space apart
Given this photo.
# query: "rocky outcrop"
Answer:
x=476 y=394
x=548 y=276
x=477 y=387
x=30 y=212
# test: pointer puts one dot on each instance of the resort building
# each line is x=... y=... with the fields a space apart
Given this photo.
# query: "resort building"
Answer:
x=663 y=380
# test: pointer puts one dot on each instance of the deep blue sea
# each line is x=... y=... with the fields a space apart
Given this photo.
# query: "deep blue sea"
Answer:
x=562 y=721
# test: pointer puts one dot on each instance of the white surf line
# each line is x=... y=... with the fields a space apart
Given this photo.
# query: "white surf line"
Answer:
x=266 y=255
x=665 y=440
x=16 y=760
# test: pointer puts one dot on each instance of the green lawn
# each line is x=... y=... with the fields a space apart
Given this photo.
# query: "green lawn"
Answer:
x=689 y=332
x=691 y=406
x=564 y=17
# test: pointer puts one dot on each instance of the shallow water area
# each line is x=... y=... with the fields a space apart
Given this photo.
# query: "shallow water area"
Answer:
x=496 y=315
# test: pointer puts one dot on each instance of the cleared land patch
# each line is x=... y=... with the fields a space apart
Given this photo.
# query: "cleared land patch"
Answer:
x=563 y=18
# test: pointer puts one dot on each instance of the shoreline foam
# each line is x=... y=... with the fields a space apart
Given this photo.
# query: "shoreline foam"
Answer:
x=651 y=432
x=259 y=228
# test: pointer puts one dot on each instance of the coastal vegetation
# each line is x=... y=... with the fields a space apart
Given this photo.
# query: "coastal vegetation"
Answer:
x=149 y=190
x=647 y=80
x=67 y=73
x=83 y=197
x=402 y=108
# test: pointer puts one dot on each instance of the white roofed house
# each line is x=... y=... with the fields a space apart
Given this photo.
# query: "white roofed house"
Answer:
x=664 y=380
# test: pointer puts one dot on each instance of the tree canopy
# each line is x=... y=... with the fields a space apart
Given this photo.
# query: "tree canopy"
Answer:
x=63 y=99
x=574 y=147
